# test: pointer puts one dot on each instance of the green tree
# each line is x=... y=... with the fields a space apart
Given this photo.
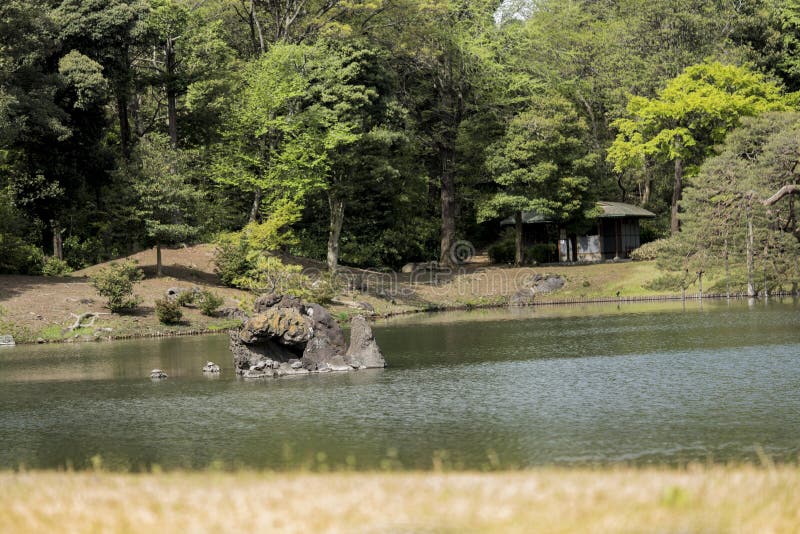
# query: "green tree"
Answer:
x=165 y=202
x=187 y=50
x=266 y=148
x=688 y=117
x=727 y=225
x=540 y=164
x=108 y=31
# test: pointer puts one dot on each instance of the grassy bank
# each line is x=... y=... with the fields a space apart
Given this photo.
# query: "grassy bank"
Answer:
x=709 y=499
x=42 y=308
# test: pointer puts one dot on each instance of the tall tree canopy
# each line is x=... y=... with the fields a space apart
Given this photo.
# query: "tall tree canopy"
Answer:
x=689 y=116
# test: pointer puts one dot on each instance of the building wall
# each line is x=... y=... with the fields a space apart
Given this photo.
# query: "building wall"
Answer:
x=618 y=236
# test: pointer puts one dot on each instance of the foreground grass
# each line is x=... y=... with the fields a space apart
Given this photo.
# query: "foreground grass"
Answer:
x=713 y=499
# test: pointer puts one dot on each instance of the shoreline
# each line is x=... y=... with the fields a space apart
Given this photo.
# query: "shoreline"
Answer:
x=432 y=310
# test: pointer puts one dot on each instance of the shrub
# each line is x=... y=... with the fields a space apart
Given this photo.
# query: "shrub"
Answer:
x=185 y=298
x=271 y=275
x=503 y=251
x=18 y=254
x=55 y=267
x=80 y=254
x=231 y=258
x=115 y=282
x=325 y=288
x=650 y=251
x=18 y=257
x=168 y=311
x=209 y=302
x=540 y=253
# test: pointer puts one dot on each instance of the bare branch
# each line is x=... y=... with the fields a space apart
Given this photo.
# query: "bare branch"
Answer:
x=791 y=189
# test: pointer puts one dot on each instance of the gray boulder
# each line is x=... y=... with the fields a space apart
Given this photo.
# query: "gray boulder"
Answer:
x=320 y=351
x=523 y=297
x=363 y=350
x=288 y=337
x=549 y=284
x=233 y=313
x=248 y=356
x=7 y=341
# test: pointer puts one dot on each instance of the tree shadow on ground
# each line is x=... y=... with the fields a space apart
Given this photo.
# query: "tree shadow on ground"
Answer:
x=182 y=273
x=13 y=285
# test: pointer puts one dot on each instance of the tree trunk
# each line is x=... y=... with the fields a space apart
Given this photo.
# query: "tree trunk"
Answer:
x=337 y=221
x=255 y=210
x=448 y=198
x=751 y=287
x=518 y=229
x=124 y=123
x=122 y=93
x=727 y=273
x=700 y=284
x=58 y=243
x=646 y=192
x=255 y=30
x=172 y=93
x=158 y=260
x=677 y=193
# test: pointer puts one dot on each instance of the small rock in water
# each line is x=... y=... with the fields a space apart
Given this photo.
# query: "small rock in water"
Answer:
x=158 y=373
x=253 y=373
x=7 y=341
x=297 y=365
x=211 y=367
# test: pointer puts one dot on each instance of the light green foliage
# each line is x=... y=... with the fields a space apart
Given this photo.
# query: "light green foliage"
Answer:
x=691 y=114
x=209 y=302
x=270 y=275
x=116 y=282
x=55 y=267
x=694 y=112
x=168 y=311
x=275 y=232
x=265 y=147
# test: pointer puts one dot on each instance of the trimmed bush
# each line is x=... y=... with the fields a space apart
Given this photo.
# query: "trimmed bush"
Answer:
x=115 y=282
x=541 y=253
x=504 y=251
x=54 y=267
x=185 y=298
x=168 y=311
x=231 y=258
x=209 y=302
x=650 y=251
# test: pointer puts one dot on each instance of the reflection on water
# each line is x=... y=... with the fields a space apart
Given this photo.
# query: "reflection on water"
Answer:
x=642 y=383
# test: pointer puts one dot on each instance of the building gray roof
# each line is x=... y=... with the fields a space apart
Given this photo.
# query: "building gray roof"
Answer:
x=611 y=210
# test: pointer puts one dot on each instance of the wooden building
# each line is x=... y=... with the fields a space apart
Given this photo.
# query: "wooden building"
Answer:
x=616 y=233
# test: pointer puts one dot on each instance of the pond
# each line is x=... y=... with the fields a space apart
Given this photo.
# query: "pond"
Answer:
x=595 y=384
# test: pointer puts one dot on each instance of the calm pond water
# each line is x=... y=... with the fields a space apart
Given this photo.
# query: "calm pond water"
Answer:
x=635 y=383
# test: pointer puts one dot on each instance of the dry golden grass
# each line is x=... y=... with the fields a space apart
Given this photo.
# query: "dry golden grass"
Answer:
x=712 y=499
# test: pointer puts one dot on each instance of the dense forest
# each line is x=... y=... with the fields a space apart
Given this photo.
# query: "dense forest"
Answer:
x=376 y=132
